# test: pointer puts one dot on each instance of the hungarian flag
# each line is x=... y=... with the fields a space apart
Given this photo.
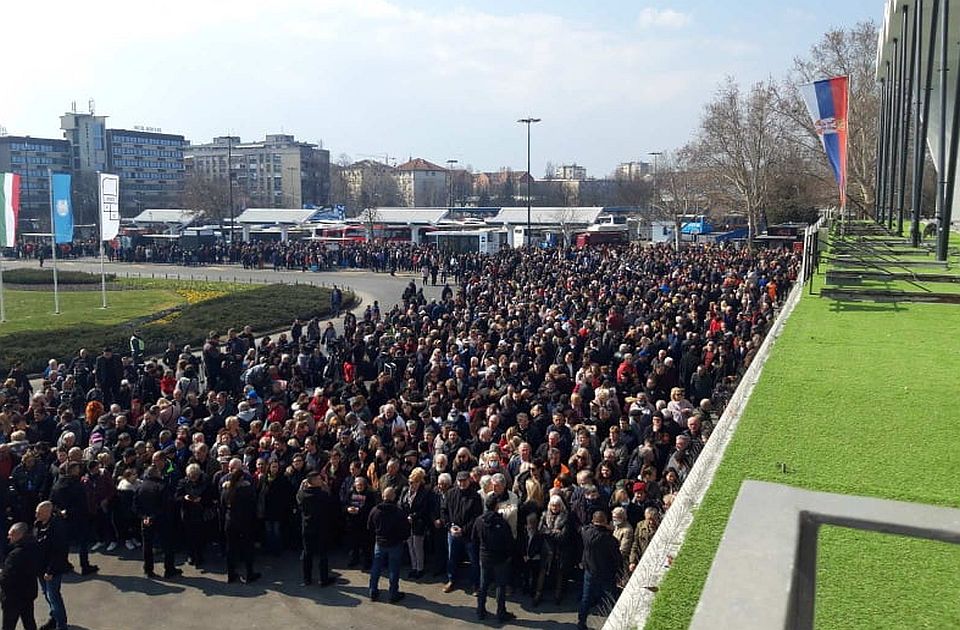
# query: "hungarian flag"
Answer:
x=10 y=208
x=826 y=102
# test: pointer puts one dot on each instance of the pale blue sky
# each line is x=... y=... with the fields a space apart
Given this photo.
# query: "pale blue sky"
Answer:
x=437 y=79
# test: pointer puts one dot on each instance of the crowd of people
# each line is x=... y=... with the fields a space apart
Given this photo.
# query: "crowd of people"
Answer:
x=527 y=430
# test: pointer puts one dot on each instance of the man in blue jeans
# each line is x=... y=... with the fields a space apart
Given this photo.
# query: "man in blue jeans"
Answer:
x=462 y=507
x=51 y=538
x=391 y=530
x=494 y=538
x=601 y=563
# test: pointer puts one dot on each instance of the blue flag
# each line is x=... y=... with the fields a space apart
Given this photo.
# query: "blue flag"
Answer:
x=62 y=208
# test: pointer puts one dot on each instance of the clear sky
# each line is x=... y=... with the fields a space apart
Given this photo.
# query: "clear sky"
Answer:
x=439 y=79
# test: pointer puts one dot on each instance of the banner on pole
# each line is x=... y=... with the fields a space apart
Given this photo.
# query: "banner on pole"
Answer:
x=826 y=101
x=10 y=207
x=62 y=208
x=109 y=206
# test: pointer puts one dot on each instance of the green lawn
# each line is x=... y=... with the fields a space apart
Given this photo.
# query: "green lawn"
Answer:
x=857 y=400
x=33 y=310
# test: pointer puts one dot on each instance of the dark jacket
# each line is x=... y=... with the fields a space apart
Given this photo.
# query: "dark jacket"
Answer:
x=418 y=508
x=68 y=494
x=388 y=524
x=150 y=500
x=493 y=537
x=18 y=582
x=462 y=508
x=52 y=541
x=318 y=511
x=601 y=553
x=239 y=507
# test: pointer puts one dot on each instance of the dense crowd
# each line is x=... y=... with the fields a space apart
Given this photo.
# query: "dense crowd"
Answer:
x=528 y=429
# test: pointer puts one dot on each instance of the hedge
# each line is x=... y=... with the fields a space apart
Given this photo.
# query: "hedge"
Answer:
x=264 y=308
x=23 y=275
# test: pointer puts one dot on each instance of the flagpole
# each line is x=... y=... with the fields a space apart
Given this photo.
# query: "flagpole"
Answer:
x=3 y=310
x=103 y=275
x=53 y=249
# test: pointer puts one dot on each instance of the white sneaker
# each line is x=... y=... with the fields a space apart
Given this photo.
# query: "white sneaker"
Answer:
x=137 y=543
x=129 y=545
x=112 y=546
x=96 y=546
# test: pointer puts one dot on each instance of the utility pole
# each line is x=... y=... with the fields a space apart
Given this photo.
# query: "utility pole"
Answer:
x=528 y=121
x=230 y=182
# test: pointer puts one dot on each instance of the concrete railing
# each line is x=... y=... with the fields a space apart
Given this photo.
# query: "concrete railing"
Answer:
x=633 y=607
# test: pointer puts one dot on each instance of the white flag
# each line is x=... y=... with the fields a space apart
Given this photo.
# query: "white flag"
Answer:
x=109 y=206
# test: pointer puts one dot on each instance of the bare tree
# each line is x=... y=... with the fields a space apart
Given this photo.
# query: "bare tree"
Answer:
x=209 y=197
x=679 y=188
x=737 y=147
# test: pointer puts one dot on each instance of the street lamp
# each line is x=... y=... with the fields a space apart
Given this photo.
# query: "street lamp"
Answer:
x=528 y=121
x=450 y=164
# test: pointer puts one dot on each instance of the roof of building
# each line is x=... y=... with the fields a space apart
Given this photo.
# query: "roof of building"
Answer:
x=419 y=164
x=548 y=216
x=287 y=216
x=368 y=164
x=417 y=216
x=180 y=216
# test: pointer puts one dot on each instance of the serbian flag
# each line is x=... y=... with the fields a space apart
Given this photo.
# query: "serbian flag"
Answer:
x=9 y=208
x=826 y=102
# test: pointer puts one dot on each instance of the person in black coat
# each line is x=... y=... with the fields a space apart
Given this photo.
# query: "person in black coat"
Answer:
x=390 y=529
x=18 y=581
x=416 y=500
x=238 y=499
x=152 y=504
x=462 y=508
x=318 y=513
x=108 y=372
x=494 y=540
x=51 y=535
x=70 y=498
x=195 y=502
x=601 y=563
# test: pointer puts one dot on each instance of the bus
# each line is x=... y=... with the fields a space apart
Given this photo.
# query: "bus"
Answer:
x=468 y=241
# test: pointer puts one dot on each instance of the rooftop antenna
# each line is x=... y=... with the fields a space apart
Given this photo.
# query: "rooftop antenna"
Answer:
x=73 y=106
x=3 y=130
x=92 y=106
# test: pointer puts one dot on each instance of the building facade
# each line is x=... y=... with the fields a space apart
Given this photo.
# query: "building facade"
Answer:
x=370 y=182
x=631 y=171
x=30 y=158
x=151 y=168
x=278 y=172
x=573 y=172
x=422 y=184
x=87 y=135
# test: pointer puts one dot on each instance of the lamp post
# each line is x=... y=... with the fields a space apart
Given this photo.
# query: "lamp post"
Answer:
x=528 y=121
x=230 y=184
x=656 y=158
x=450 y=164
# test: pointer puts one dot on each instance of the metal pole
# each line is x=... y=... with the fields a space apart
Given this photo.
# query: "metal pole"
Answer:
x=3 y=310
x=230 y=182
x=891 y=135
x=919 y=124
x=881 y=147
x=925 y=119
x=53 y=248
x=887 y=136
x=943 y=237
x=528 y=121
x=906 y=86
x=529 y=200
x=895 y=144
x=942 y=148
